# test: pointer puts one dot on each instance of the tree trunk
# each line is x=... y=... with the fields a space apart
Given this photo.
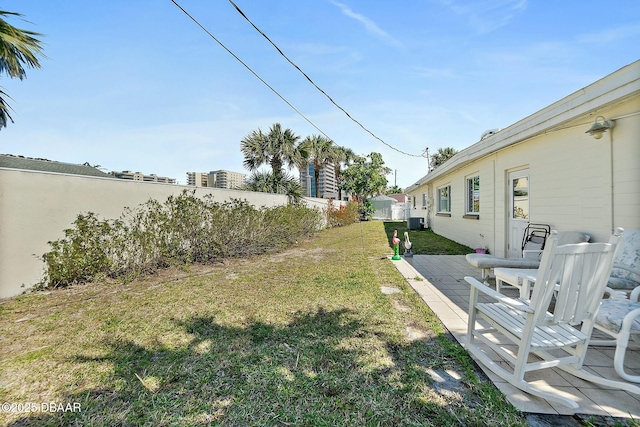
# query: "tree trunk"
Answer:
x=316 y=175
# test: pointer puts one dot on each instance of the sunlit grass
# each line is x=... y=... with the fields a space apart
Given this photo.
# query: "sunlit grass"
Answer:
x=425 y=242
x=304 y=337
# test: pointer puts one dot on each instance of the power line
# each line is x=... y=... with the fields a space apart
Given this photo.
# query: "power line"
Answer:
x=315 y=85
x=248 y=68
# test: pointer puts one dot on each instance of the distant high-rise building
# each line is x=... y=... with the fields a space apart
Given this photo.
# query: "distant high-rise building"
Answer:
x=198 y=179
x=226 y=179
x=327 y=184
x=139 y=176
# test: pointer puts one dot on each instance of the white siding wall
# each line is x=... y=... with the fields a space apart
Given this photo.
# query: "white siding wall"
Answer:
x=626 y=156
x=472 y=232
x=570 y=182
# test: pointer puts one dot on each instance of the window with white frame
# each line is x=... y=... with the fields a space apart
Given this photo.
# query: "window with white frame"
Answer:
x=473 y=195
x=444 y=199
x=424 y=200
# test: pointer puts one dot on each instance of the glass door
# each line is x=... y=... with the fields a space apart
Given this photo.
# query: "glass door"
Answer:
x=518 y=211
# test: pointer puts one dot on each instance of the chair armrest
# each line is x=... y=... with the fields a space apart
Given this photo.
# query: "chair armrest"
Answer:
x=629 y=319
x=635 y=294
x=627 y=268
x=518 y=305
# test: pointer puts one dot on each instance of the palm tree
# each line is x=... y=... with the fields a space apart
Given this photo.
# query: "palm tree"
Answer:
x=267 y=182
x=259 y=181
x=318 y=149
x=276 y=148
x=18 y=48
x=441 y=156
x=394 y=190
x=341 y=156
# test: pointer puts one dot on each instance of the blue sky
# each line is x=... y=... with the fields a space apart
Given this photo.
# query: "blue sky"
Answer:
x=136 y=85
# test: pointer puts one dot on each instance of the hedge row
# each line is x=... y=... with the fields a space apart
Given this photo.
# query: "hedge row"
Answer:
x=183 y=230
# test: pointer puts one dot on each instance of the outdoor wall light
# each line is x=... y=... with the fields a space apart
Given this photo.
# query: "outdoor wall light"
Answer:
x=599 y=127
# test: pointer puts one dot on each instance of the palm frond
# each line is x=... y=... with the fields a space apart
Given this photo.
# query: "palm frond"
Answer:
x=4 y=110
x=18 y=48
x=268 y=182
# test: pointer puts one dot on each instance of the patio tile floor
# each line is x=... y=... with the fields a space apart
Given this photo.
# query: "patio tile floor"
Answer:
x=439 y=280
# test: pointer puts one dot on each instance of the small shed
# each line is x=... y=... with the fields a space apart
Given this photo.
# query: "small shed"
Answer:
x=383 y=206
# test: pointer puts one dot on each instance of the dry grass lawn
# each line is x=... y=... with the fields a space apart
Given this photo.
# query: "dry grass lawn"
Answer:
x=304 y=337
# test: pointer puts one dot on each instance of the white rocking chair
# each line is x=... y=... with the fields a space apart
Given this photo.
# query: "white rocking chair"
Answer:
x=576 y=275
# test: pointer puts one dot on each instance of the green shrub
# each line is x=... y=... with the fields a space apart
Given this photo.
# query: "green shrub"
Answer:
x=82 y=254
x=342 y=215
x=183 y=230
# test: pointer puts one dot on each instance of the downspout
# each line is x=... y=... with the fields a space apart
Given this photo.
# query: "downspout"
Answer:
x=429 y=219
x=613 y=119
x=613 y=222
x=495 y=218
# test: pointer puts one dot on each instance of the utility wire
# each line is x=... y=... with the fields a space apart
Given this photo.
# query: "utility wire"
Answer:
x=316 y=86
x=247 y=67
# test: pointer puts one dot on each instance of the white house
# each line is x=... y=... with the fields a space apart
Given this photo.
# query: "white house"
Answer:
x=547 y=168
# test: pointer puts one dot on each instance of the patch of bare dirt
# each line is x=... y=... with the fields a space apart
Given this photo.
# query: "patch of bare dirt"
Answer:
x=315 y=254
x=416 y=332
x=400 y=307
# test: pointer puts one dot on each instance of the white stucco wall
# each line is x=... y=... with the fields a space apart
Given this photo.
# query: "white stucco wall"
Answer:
x=36 y=207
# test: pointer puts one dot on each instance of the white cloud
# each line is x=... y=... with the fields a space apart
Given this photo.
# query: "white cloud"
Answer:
x=370 y=26
x=334 y=58
x=487 y=15
x=610 y=35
